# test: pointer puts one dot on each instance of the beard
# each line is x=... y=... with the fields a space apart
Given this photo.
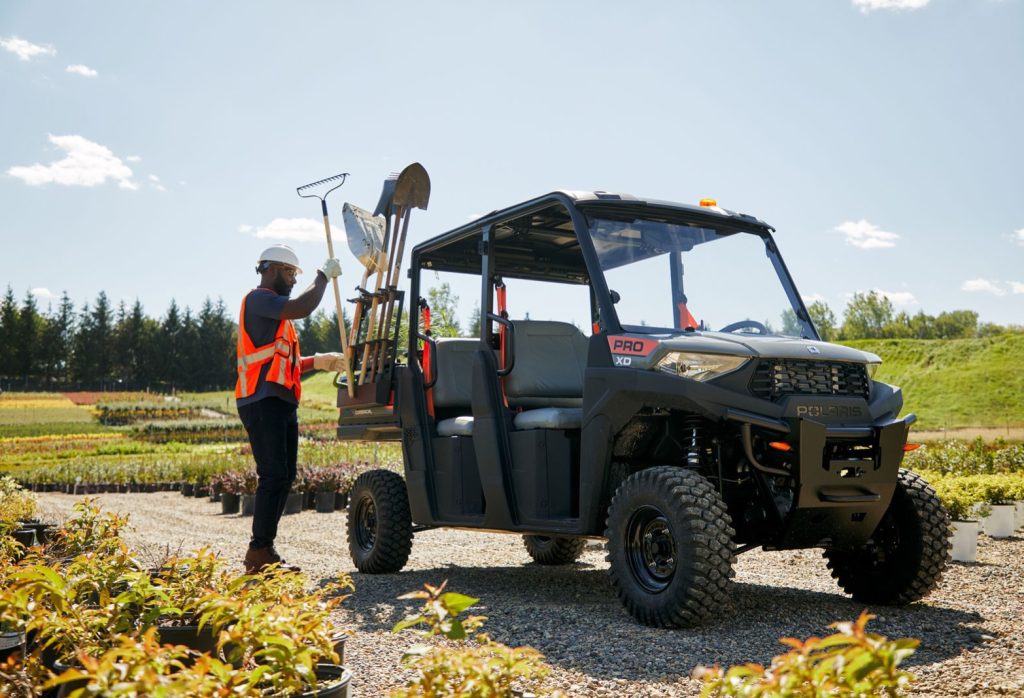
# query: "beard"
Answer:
x=281 y=286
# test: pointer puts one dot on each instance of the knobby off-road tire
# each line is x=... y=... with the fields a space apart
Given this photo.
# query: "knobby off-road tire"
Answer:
x=908 y=552
x=379 y=522
x=554 y=550
x=670 y=548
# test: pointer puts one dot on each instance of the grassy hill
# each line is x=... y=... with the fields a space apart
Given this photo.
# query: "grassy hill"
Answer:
x=957 y=382
x=948 y=383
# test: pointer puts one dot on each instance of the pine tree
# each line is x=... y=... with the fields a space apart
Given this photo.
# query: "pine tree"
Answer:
x=8 y=334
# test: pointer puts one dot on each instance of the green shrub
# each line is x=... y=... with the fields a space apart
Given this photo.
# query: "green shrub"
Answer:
x=851 y=662
x=16 y=504
x=473 y=668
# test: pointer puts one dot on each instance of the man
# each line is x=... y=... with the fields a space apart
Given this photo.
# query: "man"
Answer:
x=268 y=388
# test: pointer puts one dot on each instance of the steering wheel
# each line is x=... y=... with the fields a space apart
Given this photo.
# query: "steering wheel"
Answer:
x=745 y=324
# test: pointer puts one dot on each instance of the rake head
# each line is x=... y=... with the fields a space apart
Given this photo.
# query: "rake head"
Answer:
x=321 y=188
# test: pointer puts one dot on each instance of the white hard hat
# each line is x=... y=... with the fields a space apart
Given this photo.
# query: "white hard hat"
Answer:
x=281 y=254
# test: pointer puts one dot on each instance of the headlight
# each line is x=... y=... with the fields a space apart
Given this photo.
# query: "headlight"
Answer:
x=700 y=367
x=872 y=368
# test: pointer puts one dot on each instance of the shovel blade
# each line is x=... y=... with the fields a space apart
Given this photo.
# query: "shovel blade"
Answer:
x=365 y=234
x=412 y=190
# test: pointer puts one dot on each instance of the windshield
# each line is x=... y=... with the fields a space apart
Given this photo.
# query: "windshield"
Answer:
x=673 y=276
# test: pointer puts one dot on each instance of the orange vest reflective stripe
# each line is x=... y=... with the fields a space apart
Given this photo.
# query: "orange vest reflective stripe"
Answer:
x=282 y=354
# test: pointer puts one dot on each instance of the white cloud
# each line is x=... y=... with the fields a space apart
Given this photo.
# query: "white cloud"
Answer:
x=1018 y=237
x=898 y=297
x=296 y=229
x=133 y=158
x=43 y=293
x=867 y=6
x=83 y=70
x=811 y=298
x=26 y=50
x=974 y=285
x=154 y=182
x=1016 y=287
x=245 y=228
x=86 y=164
x=866 y=236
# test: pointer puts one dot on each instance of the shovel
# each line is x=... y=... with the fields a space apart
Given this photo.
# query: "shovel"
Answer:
x=412 y=190
x=366 y=235
x=312 y=191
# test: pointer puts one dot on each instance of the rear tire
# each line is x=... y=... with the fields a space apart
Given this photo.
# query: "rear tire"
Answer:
x=670 y=548
x=554 y=550
x=379 y=522
x=908 y=552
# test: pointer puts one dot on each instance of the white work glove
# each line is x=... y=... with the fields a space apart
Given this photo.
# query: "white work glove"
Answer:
x=331 y=269
x=329 y=361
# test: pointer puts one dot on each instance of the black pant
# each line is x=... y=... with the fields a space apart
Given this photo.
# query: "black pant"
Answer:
x=273 y=428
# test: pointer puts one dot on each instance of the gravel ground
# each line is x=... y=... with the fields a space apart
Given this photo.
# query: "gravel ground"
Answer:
x=970 y=627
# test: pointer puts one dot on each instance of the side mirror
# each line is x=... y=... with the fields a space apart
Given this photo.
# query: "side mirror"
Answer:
x=615 y=296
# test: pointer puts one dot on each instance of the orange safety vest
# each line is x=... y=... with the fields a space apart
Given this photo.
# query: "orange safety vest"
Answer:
x=282 y=353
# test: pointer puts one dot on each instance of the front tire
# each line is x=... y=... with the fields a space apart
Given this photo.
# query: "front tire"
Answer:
x=554 y=550
x=908 y=552
x=670 y=548
x=379 y=522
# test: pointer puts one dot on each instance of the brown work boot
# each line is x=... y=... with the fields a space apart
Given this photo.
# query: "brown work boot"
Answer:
x=257 y=559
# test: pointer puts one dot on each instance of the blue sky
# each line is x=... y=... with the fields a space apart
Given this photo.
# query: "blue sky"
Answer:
x=151 y=150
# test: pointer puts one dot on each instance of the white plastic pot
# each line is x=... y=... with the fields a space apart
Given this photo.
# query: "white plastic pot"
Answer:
x=1001 y=522
x=965 y=541
x=1019 y=506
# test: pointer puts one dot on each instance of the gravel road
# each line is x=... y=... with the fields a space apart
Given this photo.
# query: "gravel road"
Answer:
x=972 y=642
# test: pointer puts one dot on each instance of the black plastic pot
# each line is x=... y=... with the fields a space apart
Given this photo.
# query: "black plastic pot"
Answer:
x=187 y=489
x=336 y=680
x=43 y=530
x=65 y=689
x=229 y=503
x=25 y=536
x=294 y=503
x=341 y=501
x=309 y=500
x=339 y=646
x=11 y=642
x=247 y=504
x=325 y=502
x=190 y=636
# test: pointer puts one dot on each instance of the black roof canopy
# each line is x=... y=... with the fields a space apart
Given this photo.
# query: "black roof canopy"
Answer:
x=537 y=239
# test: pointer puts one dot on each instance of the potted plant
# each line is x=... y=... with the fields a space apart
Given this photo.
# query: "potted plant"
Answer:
x=963 y=500
x=293 y=505
x=1000 y=491
x=247 y=494
x=229 y=485
x=184 y=583
x=281 y=634
x=327 y=483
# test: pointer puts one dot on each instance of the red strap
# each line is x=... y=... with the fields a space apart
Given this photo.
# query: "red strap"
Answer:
x=428 y=372
x=686 y=320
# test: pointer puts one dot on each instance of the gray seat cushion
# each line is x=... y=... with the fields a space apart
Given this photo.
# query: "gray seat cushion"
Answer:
x=550 y=418
x=456 y=426
x=454 y=386
x=549 y=362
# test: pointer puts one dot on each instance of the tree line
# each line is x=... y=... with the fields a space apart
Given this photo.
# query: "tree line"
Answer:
x=872 y=316
x=102 y=347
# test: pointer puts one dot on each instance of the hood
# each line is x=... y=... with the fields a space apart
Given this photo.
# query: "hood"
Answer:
x=754 y=346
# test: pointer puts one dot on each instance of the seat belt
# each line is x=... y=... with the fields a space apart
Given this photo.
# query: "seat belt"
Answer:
x=501 y=291
x=428 y=371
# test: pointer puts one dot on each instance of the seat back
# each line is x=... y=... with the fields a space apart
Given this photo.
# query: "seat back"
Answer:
x=549 y=361
x=454 y=386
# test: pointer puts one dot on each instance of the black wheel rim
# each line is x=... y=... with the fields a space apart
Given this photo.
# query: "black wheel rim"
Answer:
x=366 y=523
x=885 y=543
x=650 y=549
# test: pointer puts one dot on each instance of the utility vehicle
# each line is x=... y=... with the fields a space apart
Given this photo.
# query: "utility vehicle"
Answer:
x=698 y=416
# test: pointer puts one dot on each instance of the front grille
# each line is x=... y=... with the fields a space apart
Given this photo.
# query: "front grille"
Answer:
x=776 y=378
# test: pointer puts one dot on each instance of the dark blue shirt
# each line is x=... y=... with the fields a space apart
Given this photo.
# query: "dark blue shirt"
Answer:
x=263 y=308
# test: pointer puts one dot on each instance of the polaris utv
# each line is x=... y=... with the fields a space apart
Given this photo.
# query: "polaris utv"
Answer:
x=696 y=415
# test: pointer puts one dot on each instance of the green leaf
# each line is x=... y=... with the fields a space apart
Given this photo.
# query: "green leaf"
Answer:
x=408 y=622
x=457 y=603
